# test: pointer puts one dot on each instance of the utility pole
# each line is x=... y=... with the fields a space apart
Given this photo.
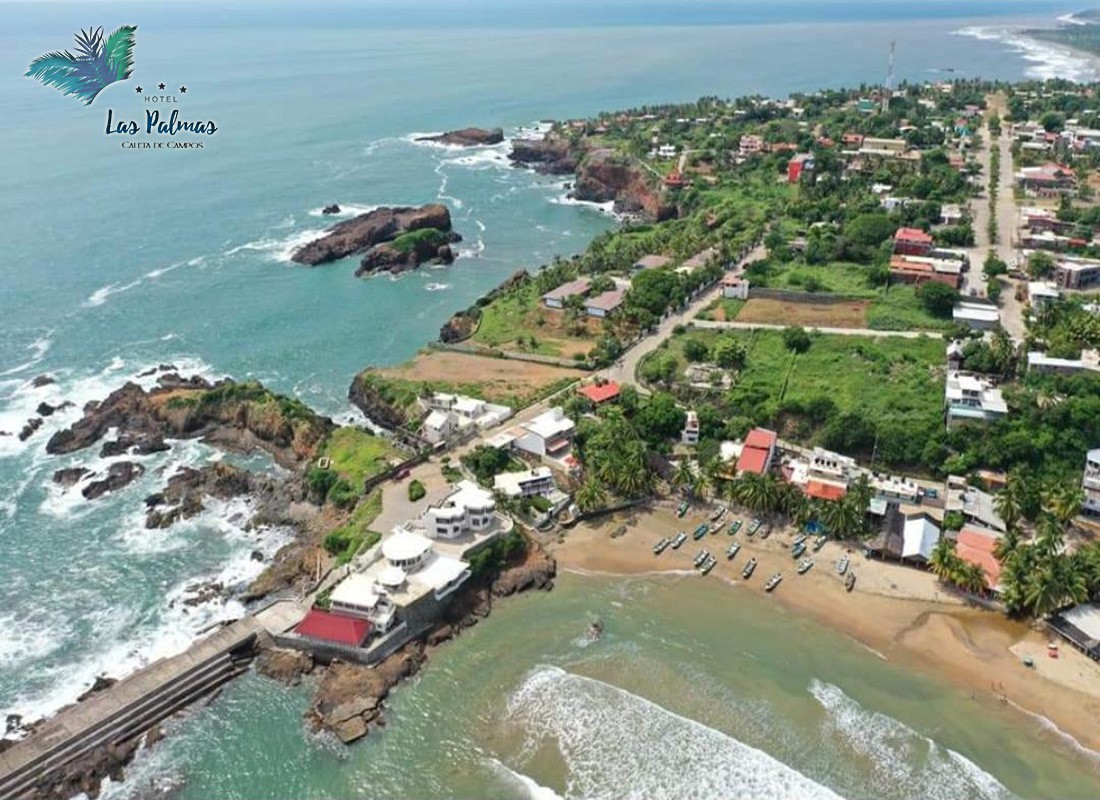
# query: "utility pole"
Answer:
x=889 y=92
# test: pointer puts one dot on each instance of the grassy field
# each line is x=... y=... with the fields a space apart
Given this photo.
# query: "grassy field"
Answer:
x=838 y=278
x=883 y=377
x=356 y=535
x=898 y=309
x=518 y=321
x=846 y=314
x=723 y=309
x=357 y=454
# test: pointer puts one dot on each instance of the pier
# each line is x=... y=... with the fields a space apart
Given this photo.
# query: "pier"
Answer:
x=126 y=711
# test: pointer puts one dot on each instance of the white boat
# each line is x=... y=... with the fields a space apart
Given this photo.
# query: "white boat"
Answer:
x=805 y=565
x=681 y=537
x=773 y=581
x=733 y=550
x=701 y=557
x=842 y=565
x=662 y=543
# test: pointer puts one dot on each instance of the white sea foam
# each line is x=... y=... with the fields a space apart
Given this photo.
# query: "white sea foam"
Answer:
x=607 y=208
x=1045 y=59
x=101 y=295
x=901 y=758
x=1049 y=726
x=533 y=789
x=278 y=248
x=437 y=287
x=39 y=347
x=607 y=739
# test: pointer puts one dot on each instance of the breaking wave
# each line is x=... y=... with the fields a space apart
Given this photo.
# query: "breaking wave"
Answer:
x=903 y=762
x=1045 y=59
x=606 y=738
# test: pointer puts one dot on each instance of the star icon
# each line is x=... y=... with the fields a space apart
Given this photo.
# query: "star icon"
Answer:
x=161 y=87
x=138 y=90
x=183 y=90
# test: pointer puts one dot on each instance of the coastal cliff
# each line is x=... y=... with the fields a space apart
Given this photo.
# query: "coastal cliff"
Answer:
x=382 y=225
x=467 y=137
x=381 y=408
x=463 y=323
x=604 y=176
x=349 y=698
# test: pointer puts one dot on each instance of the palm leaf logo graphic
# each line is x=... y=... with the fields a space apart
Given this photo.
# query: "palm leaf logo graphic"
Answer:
x=98 y=63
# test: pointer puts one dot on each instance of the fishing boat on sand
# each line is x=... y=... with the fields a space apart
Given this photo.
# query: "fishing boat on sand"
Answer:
x=842 y=565
x=773 y=581
x=850 y=581
x=805 y=565
x=746 y=573
x=734 y=527
x=661 y=545
x=701 y=557
x=733 y=550
x=798 y=549
x=681 y=537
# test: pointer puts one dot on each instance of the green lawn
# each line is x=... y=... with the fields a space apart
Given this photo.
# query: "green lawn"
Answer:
x=837 y=278
x=357 y=454
x=731 y=308
x=356 y=535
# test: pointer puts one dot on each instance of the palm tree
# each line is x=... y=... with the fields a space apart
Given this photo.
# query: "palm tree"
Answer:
x=685 y=475
x=1007 y=544
x=971 y=578
x=1007 y=506
x=944 y=561
x=1065 y=503
x=1050 y=537
x=591 y=495
x=1047 y=587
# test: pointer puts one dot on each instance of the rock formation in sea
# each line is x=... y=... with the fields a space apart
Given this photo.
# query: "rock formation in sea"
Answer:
x=359 y=234
x=549 y=156
x=467 y=137
x=604 y=176
x=408 y=251
x=332 y=208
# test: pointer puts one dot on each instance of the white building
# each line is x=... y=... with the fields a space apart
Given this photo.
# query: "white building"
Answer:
x=951 y=214
x=667 y=151
x=895 y=487
x=975 y=505
x=829 y=466
x=362 y=596
x=980 y=316
x=1091 y=482
x=449 y=414
x=439 y=426
x=1088 y=361
x=970 y=396
x=919 y=537
x=735 y=288
x=548 y=434
x=690 y=434
x=468 y=509
x=1040 y=293
x=538 y=481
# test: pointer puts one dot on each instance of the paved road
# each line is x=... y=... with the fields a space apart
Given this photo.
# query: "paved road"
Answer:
x=754 y=326
x=623 y=370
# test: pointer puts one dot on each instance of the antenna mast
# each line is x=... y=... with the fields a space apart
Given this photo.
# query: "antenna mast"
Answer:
x=889 y=91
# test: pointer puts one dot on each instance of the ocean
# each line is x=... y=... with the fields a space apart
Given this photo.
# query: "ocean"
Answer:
x=117 y=260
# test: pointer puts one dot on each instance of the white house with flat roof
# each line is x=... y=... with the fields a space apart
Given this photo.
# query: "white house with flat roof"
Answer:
x=971 y=396
x=690 y=434
x=1091 y=482
x=548 y=434
x=527 y=483
x=975 y=505
x=1088 y=361
x=363 y=596
x=449 y=414
x=1040 y=293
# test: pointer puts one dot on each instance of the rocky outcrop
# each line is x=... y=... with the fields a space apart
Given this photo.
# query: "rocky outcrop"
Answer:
x=365 y=395
x=235 y=416
x=183 y=496
x=119 y=475
x=467 y=137
x=427 y=246
x=549 y=156
x=332 y=208
x=33 y=424
x=70 y=476
x=42 y=380
x=285 y=666
x=360 y=233
x=604 y=176
x=348 y=700
x=45 y=409
x=140 y=444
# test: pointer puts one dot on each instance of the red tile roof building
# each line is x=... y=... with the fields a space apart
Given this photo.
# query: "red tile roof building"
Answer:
x=823 y=490
x=975 y=546
x=328 y=627
x=912 y=242
x=600 y=392
x=758 y=451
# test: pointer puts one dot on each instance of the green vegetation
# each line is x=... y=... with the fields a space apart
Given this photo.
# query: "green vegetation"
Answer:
x=488 y=462
x=849 y=280
x=431 y=238
x=899 y=309
x=729 y=307
x=516 y=320
x=938 y=298
x=357 y=454
x=491 y=559
x=416 y=491
x=355 y=536
x=843 y=392
x=402 y=393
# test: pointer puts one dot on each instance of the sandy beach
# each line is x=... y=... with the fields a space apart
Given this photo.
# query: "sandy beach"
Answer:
x=900 y=613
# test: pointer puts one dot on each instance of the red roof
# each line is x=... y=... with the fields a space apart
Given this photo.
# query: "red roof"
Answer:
x=825 y=491
x=330 y=627
x=598 y=393
x=975 y=546
x=753 y=459
x=912 y=235
x=761 y=438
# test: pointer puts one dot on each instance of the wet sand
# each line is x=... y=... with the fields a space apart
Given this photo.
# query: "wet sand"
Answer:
x=900 y=613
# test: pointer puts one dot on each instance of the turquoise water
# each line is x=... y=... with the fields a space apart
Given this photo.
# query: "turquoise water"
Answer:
x=117 y=259
x=697 y=690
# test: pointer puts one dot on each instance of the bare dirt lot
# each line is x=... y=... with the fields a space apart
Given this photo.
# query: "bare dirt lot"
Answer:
x=848 y=314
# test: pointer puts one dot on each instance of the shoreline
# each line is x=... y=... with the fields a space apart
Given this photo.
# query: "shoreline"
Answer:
x=900 y=614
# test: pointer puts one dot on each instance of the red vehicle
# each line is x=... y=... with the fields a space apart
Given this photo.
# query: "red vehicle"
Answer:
x=401 y=475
